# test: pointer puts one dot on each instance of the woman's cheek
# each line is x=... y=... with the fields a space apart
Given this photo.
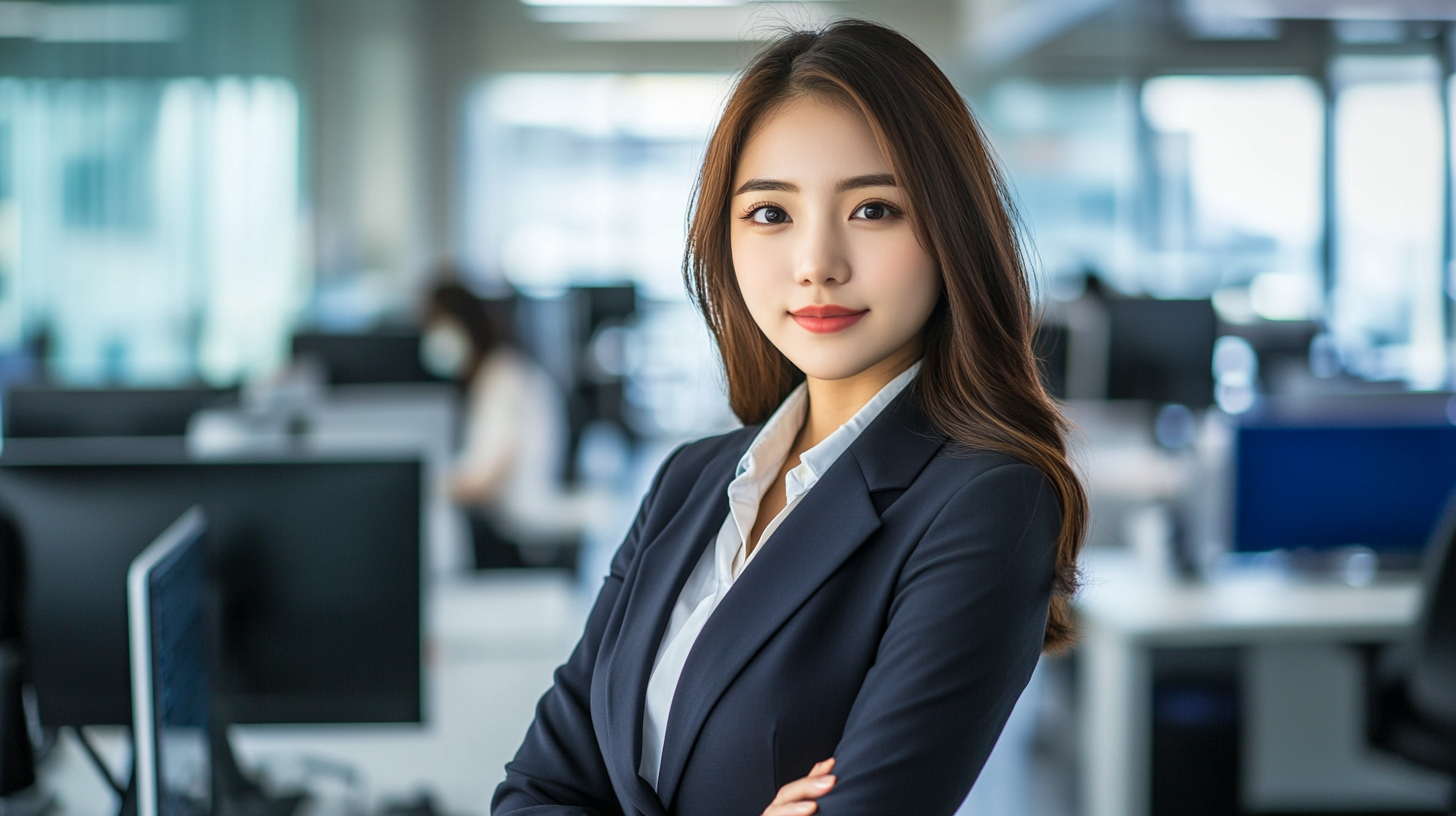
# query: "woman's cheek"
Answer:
x=904 y=284
x=755 y=281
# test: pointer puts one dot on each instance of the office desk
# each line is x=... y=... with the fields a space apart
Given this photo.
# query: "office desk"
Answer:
x=1126 y=612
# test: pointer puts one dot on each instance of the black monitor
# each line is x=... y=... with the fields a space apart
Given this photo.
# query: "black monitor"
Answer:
x=318 y=568
x=170 y=672
x=56 y=413
x=1161 y=350
x=375 y=358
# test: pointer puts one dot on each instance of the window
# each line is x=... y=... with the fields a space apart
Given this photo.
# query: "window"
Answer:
x=1070 y=153
x=1236 y=197
x=582 y=179
x=585 y=178
x=1388 y=308
x=148 y=229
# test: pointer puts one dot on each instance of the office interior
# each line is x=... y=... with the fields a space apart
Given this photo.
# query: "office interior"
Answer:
x=224 y=225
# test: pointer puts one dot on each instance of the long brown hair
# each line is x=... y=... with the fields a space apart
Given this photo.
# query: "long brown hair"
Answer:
x=978 y=382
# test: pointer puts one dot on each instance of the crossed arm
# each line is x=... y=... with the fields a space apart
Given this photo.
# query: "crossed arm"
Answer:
x=962 y=638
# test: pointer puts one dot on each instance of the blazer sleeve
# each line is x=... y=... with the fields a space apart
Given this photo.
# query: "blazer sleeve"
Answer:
x=559 y=770
x=963 y=634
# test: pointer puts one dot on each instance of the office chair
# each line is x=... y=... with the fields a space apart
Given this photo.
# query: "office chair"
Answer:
x=1411 y=687
x=17 y=759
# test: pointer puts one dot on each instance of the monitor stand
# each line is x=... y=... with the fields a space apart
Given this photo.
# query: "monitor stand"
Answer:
x=237 y=794
x=126 y=794
x=234 y=793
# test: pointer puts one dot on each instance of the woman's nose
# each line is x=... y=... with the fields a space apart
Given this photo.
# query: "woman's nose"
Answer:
x=822 y=259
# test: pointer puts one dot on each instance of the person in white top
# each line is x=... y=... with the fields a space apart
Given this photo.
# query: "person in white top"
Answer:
x=835 y=607
x=515 y=425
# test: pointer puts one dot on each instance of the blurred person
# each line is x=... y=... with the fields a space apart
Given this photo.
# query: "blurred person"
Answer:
x=836 y=607
x=515 y=432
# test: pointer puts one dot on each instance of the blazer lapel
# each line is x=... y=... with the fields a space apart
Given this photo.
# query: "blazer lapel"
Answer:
x=829 y=524
x=662 y=570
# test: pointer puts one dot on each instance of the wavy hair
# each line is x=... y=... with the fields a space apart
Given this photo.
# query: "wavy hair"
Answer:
x=978 y=383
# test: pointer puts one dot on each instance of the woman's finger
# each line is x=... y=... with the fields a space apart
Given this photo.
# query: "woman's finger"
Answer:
x=821 y=768
x=802 y=789
x=792 y=809
x=797 y=797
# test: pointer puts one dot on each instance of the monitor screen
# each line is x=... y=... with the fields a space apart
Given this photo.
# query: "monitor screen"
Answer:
x=1328 y=487
x=365 y=359
x=1161 y=350
x=107 y=412
x=318 y=565
x=171 y=699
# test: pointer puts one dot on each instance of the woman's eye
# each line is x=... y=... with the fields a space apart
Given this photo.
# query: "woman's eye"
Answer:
x=873 y=211
x=770 y=215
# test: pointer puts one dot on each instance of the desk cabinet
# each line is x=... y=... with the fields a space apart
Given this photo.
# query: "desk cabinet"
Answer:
x=1299 y=728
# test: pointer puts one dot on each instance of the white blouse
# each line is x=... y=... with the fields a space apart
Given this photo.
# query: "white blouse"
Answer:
x=721 y=564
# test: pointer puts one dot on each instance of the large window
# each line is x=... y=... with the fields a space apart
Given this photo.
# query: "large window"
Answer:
x=584 y=179
x=1235 y=197
x=148 y=230
x=1071 y=154
x=1388 y=307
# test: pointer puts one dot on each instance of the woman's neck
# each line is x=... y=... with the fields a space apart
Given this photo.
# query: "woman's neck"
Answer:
x=834 y=402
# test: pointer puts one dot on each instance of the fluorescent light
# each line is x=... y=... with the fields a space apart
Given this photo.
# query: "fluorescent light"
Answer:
x=584 y=14
x=637 y=3
x=78 y=22
x=748 y=22
x=1336 y=9
x=650 y=3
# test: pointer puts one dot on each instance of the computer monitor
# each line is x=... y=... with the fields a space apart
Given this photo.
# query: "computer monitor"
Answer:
x=170 y=673
x=56 y=413
x=1161 y=350
x=1325 y=487
x=319 y=583
x=365 y=359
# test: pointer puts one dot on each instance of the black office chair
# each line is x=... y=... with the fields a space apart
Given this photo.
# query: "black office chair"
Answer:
x=1411 y=687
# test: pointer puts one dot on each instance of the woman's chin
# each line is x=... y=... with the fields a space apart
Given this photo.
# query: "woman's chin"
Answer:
x=833 y=364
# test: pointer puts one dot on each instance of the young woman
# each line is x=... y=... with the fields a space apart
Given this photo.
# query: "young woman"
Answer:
x=836 y=607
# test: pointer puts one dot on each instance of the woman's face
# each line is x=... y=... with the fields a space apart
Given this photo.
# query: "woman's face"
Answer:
x=824 y=253
x=445 y=348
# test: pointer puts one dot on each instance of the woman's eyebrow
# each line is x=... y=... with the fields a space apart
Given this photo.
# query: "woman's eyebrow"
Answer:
x=763 y=185
x=760 y=185
x=869 y=180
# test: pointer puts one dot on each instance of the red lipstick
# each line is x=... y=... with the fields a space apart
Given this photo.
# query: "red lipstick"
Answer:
x=827 y=319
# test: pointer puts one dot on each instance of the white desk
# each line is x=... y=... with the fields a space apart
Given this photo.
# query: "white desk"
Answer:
x=1125 y=612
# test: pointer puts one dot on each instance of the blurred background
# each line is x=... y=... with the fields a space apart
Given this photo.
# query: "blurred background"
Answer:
x=392 y=289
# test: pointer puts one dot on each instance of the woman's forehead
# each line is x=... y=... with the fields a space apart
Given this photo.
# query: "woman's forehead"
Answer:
x=809 y=141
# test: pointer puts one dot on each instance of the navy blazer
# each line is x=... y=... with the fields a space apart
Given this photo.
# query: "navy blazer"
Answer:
x=891 y=622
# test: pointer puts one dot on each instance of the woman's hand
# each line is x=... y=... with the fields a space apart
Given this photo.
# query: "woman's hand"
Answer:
x=797 y=797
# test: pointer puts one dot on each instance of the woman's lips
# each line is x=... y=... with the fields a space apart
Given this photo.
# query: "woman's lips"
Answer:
x=827 y=319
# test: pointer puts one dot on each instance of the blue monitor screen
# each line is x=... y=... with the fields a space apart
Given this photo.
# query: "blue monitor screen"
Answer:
x=1328 y=487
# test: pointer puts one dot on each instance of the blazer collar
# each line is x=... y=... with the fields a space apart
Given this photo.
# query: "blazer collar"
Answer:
x=829 y=524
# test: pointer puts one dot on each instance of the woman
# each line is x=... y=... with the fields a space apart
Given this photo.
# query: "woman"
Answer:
x=515 y=432
x=835 y=607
